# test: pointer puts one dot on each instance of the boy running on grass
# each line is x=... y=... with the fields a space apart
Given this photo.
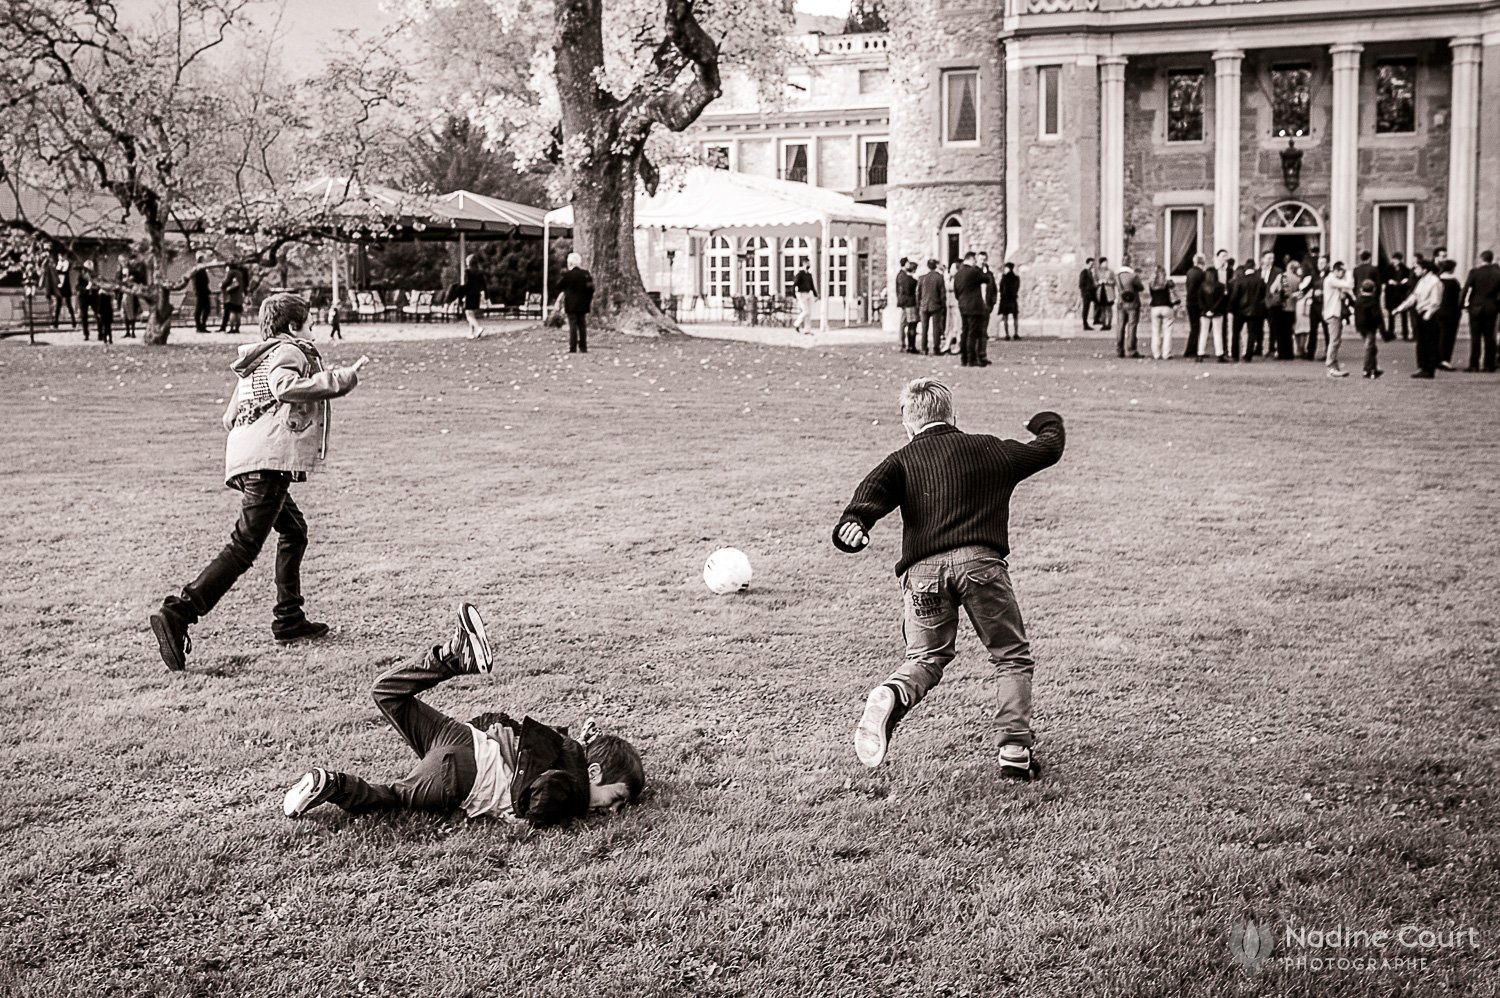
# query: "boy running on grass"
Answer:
x=953 y=490
x=278 y=432
x=493 y=765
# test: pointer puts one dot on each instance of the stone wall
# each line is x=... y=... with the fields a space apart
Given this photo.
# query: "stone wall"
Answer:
x=1408 y=168
x=1161 y=174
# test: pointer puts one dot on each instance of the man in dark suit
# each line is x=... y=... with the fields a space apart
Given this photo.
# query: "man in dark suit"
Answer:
x=1248 y=295
x=1193 y=293
x=202 y=303
x=1088 y=291
x=968 y=288
x=906 y=303
x=577 y=287
x=1482 y=294
x=932 y=303
x=1397 y=281
x=991 y=295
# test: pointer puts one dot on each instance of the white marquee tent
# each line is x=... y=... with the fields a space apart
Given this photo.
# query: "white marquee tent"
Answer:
x=711 y=202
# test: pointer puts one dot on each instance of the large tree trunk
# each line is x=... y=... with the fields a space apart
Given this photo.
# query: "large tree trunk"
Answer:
x=158 y=324
x=604 y=235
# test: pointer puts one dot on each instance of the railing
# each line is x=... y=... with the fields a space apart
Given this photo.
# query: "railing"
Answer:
x=850 y=44
x=1022 y=7
x=873 y=176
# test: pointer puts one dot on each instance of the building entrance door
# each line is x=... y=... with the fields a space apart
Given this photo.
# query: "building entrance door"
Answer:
x=1292 y=230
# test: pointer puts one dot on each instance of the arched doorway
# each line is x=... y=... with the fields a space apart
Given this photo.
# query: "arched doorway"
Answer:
x=951 y=240
x=1292 y=230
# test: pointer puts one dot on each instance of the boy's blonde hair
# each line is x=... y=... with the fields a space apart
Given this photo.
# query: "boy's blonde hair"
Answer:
x=926 y=400
x=281 y=314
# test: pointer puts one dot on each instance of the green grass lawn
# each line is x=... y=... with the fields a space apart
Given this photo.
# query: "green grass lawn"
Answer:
x=1263 y=606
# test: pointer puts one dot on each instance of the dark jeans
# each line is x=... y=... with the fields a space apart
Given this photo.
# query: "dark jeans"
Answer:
x=1283 y=342
x=1255 y=334
x=1429 y=334
x=938 y=322
x=1317 y=326
x=1130 y=320
x=104 y=311
x=1372 y=351
x=266 y=505
x=1195 y=328
x=578 y=332
x=983 y=342
x=977 y=579
x=200 y=313
x=971 y=339
x=1449 y=324
x=58 y=304
x=1089 y=305
x=1481 y=339
x=444 y=775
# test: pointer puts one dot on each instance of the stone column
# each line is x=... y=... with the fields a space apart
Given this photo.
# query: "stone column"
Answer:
x=1112 y=158
x=1227 y=151
x=1343 y=154
x=1463 y=151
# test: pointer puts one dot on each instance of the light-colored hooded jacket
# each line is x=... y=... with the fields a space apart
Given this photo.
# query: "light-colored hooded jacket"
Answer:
x=278 y=416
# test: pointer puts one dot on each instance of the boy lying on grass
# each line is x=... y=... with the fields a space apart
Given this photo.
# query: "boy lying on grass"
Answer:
x=493 y=765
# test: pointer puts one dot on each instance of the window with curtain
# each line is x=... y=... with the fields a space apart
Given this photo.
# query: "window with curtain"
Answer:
x=1185 y=105
x=838 y=267
x=877 y=158
x=794 y=162
x=1049 y=111
x=1395 y=96
x=1184 y=234
x=720 y=259
x=961 y=107
x=758 y=267
x=794 y=252
x=1392 y=232
x=1291 y=100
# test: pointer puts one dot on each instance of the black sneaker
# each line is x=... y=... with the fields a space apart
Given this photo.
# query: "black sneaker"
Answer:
x=171 y=639
x=303 y=630
x=1017 y=762
x=884 y=709
x=470 y=645
x=313 y=789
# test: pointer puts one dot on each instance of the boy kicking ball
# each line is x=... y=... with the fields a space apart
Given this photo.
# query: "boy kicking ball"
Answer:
x=493 y=765
x=953 y=490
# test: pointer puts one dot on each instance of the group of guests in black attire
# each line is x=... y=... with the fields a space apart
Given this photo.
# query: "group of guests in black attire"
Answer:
x=1262 y=308
x=66 y=285
x=924 y=305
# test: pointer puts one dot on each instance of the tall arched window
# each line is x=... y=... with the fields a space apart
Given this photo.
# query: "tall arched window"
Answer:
x=796 y=252
x=720 y=259
x=952 y=235
x=758 y=267
x=838 y=267
x=1292 y=230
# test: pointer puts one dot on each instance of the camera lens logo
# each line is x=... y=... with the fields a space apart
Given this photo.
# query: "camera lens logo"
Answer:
x=1250 y=943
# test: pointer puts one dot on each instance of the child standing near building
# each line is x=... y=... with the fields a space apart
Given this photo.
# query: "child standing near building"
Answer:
x=493 y=765
x=278 y=432
x=1369 y=322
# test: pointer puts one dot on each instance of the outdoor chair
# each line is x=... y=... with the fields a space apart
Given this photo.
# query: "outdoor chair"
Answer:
x=532 y=309
x=368 y=305
x=419 y=305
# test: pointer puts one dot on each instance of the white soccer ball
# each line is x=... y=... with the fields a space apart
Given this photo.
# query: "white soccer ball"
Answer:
x=727 y=571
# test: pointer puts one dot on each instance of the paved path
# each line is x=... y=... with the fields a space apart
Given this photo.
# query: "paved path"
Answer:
x=385 y=332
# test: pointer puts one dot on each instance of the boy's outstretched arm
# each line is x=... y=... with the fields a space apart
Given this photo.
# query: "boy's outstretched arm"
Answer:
x=288 y=383
x=1046 y=450
x=880 y=492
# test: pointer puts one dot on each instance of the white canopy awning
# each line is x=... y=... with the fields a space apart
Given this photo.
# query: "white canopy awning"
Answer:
x=710 y=201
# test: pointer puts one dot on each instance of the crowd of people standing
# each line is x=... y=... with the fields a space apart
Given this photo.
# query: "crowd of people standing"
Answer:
x=946 y=312
x=1236 y=313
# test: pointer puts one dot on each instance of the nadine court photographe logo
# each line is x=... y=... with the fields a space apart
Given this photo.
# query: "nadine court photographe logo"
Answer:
x=1254 y=944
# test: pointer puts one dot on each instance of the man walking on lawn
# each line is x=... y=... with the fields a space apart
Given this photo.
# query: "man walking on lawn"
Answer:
x=278 y=432
x=953 y=490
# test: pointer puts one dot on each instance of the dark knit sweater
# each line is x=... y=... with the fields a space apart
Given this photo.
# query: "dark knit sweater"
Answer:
x=953 y=488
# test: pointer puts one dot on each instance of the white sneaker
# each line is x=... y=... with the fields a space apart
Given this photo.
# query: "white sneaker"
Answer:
x=473 y=643
x=1018 y=763
x=883 y=709
x=313 y=789
x=1337 y=372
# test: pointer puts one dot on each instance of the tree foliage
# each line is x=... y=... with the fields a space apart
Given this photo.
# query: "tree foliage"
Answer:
x=187 y=122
